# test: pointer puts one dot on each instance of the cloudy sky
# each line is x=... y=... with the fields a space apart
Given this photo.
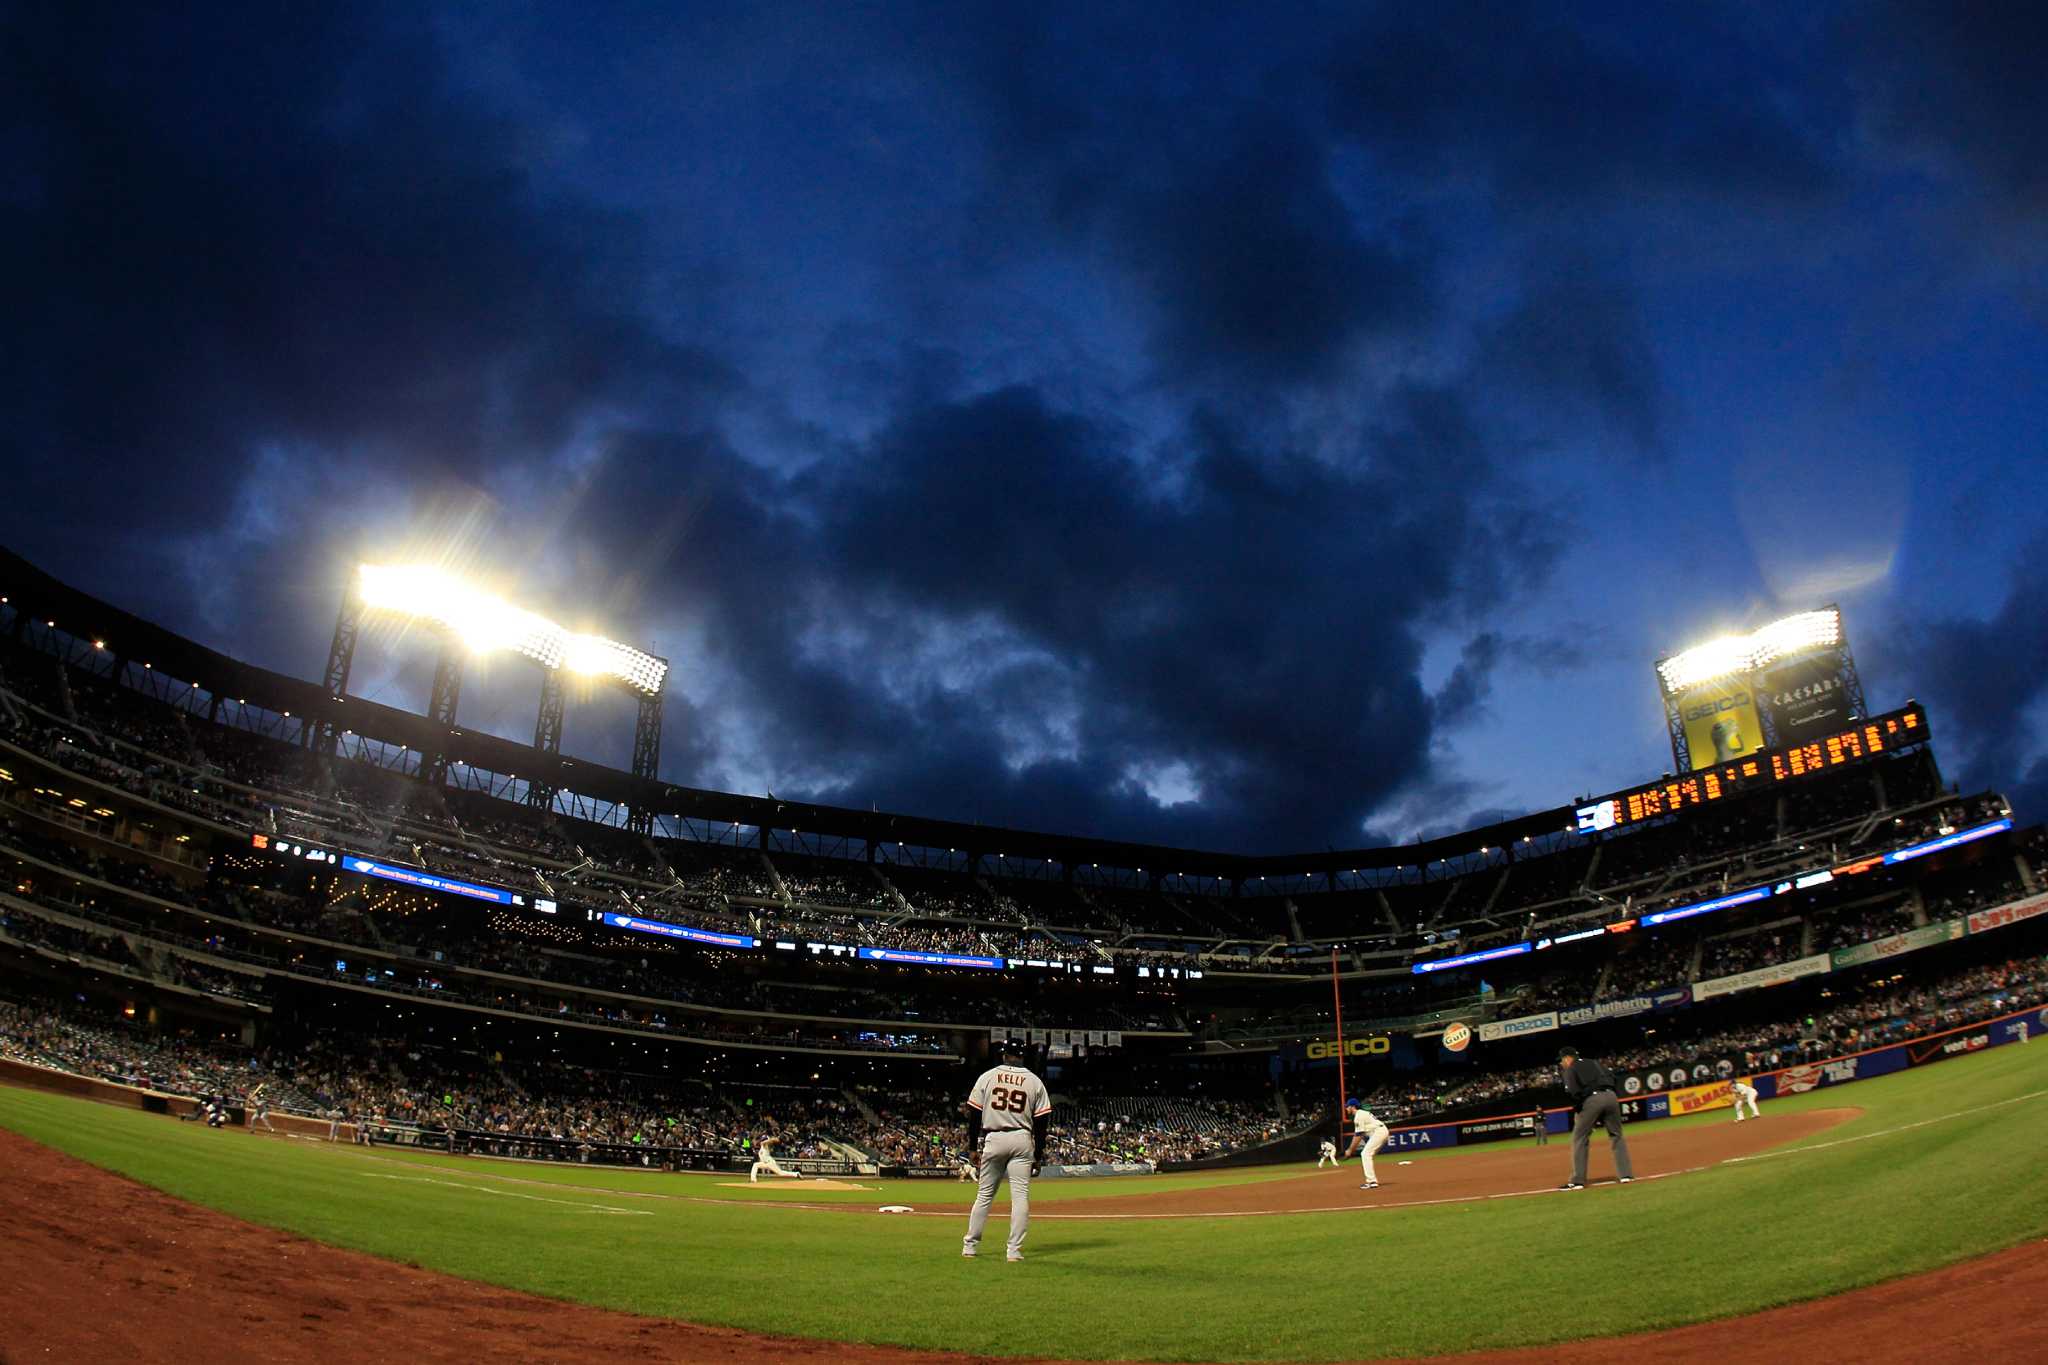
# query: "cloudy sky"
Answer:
x=1235 y=426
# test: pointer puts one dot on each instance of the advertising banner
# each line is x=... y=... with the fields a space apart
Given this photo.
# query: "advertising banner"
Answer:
x=1099 y=1168
x=1318 y=1051
x=1721 y=722
x=1676 y=998
x=1695 y=1099
x=1644 y=1107
x=1606 y=1009
x=1429 y=1138
x=1805 y=698
x=1913 y=939
x=1777 y=974
x=1515 y=1028
x=1498 y=1128
x=2012 y=912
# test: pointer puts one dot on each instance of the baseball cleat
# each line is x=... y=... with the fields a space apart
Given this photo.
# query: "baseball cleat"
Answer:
x=1571 y=1185
x=1625 y=1179
x=1014 y=1256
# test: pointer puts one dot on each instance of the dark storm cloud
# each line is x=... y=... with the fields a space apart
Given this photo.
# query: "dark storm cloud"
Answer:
x=1211 y=190
x=1960 y=85
x=1552 y=114
x=289 y=278
x=1981 y=678
x=1578 y=338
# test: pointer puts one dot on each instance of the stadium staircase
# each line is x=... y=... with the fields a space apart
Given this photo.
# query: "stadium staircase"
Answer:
x=775 y=880
x=64 y=694
x=904 y=909
x=861 y=1106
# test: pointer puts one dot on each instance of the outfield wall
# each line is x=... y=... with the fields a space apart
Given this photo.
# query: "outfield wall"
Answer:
x=2019 y=1026
x=34 y=1077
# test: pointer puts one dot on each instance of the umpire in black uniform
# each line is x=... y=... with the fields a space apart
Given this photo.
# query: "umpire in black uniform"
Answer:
x=1591 y=1087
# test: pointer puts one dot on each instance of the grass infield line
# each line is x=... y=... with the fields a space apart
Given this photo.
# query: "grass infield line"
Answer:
x=1885 y=1132
x=508 y=1194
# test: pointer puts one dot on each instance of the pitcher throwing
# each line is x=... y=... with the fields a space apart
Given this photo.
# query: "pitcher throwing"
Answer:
x=1007 y=1114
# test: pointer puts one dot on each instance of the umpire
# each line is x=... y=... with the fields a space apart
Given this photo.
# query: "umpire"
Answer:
x=1591 y=1087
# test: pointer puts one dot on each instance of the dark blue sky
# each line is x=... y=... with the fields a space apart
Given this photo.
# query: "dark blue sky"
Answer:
x=1265 y=430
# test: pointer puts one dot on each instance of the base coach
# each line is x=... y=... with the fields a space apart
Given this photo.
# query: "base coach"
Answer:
x=1591 y=1087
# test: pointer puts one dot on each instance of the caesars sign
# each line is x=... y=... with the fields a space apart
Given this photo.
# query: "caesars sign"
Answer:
x=1805 y=698
x=1322 y=1050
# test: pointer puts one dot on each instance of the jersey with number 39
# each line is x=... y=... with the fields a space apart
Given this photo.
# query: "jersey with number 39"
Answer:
x=1009 y=1097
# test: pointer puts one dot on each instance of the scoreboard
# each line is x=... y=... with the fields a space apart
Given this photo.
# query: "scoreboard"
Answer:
x=1879 y=734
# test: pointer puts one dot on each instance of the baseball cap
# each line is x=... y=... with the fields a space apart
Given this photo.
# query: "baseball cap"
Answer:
x=1351 y=1103
x=1565 y=1053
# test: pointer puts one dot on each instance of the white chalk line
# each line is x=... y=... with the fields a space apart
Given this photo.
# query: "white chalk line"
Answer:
x=1886 y=1132
x=508 y=1194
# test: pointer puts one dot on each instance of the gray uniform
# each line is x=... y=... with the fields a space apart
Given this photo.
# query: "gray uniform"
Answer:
x=1010 y=1099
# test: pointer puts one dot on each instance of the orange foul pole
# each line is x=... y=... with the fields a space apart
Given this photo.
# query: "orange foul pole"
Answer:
x=1337 y=997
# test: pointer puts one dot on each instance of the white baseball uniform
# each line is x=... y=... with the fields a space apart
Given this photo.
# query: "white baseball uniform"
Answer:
x=1010 y=1099
x=764 y=1160
x=1744 y=1093
x=1329 y=1155
x=1368 y=1135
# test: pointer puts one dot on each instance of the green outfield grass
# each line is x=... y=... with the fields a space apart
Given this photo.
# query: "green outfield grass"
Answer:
x=1734 y=1239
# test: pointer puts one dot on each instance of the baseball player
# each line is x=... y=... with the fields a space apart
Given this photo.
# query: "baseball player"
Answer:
x=259 y=1110
x=1744 y=1093
x=1368 y=1135
x=966 y=1168
x=1329 y=1155
x=1591 y=1086
x=764 y=1160
x=1008 y=1112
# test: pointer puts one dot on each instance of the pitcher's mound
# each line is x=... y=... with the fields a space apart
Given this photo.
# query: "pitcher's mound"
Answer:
x=814 y=1183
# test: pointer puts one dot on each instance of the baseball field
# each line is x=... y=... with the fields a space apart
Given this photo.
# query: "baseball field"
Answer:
x=1459 y=1251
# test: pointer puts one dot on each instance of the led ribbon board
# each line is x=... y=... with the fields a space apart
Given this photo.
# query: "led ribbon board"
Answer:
x=1444 y=964
x=1880 y=734
x=1727 y=902
x=1963 y=836
x=929 y=959
x=425 y=881
x=683 y=931
x=486 y=623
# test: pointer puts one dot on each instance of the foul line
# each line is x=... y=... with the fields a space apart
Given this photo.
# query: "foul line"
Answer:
x=508 y=1194
x=1885 y=1132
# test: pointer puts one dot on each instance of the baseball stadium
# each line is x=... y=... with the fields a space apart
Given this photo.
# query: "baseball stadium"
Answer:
x=328 y=1026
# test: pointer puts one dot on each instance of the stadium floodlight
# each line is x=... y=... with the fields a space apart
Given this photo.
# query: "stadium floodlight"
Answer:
x=488 y=624
x=1746 y=653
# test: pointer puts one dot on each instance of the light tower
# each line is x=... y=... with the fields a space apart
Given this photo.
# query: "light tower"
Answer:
x=469 y=621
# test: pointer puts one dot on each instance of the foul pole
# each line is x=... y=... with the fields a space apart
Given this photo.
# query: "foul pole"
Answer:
x=1337 y=996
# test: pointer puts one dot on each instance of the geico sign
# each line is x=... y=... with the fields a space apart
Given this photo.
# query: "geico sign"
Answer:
x=1350 y=1047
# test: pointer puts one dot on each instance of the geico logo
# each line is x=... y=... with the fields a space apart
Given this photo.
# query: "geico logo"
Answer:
x=1719 y=704
x=1353 y=1047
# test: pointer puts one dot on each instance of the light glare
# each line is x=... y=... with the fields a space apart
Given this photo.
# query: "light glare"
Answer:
x=488 y=624
x=1747 y=653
